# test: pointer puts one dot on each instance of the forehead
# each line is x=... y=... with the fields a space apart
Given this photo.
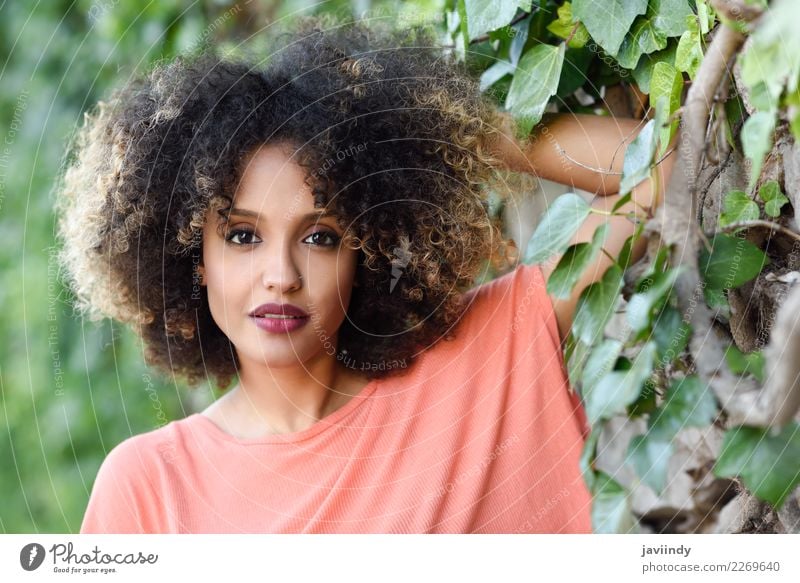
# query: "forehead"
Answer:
x=272 y=181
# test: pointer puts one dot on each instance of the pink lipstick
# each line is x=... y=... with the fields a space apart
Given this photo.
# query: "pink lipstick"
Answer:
x=279 y=318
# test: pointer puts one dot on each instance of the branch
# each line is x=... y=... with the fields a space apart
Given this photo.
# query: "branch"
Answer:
x=680 y=229
x=774 y=227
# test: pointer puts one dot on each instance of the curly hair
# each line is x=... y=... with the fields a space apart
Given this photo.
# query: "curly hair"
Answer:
x=394 y=134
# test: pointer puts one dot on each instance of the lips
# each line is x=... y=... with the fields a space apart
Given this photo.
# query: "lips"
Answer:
x=278 y=311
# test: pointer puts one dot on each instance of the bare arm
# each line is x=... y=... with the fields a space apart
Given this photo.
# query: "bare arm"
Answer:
x=565 y=148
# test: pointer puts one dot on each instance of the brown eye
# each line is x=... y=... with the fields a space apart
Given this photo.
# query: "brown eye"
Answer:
x=241 y=237
x=323 y=239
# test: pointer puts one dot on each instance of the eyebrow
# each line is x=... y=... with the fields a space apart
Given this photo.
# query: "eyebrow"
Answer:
x=253 y=214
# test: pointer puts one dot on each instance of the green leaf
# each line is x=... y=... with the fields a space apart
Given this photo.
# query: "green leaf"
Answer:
x=756 y=140
x=669 y=16
x=564 y=25
x=596 y=305
x=744 y=363
x=535 y=81
x=608 y=20
x=689 y=403
x=731 y=263
x=644 y=69
x=644 y=38
x=573 y=263
x=738 y=207
x=494 y=73
x=611 y=508
x=690 y=50
x=671 y=335
x=600 y=362
x=645 y=402
x=638 y=158
x=587 y=459
x=666 y=86
x=768 y=464
x=558 y=226
x=771 y=63
x=641 y=305
x=486 y=15
x=649 y=458
x=618 y=389
x=774 y=199
x=576 y=355
x=627 y=248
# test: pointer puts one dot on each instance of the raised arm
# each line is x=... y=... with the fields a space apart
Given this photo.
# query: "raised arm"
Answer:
x=586 y=152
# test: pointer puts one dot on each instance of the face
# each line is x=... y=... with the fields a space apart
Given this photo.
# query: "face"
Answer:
x=274 y=247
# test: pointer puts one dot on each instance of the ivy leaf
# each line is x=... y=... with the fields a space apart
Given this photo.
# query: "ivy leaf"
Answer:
x=731 y=263
x=772 y=61
x=638 y=158
x=666 y=86
x=774 y=199
x=494 y=73
x=563 y=26
x=535 y=81
x=756 y=140
x=576 y=355
x=738 y=207
x=669 y=16
x=744 y=363
x=768 y=464
x=608 y=20
x=486 y=15
x=644 y=70
x=649 y=457
x=671 y=334
x=689 y=403
x=627 y=248
x=558 y=226
x=587 y=459
x=573 y=263
x=600 y=362
x=596 y=305
x=644 y=38
x=690 y=50
x=618 y=389
x=641 y=305
x=611 y=507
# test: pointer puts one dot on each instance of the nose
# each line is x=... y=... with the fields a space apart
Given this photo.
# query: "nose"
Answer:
x=279 y=270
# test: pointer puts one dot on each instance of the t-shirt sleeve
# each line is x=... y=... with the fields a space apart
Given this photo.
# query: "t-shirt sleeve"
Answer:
x=543 y=325
x=518 y=309
x=123 y=500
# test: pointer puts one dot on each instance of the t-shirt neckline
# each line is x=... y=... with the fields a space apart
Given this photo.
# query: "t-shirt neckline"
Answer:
x=208 y=427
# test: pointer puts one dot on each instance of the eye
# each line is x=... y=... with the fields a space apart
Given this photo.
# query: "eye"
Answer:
x=241 y=237
x=319 y=236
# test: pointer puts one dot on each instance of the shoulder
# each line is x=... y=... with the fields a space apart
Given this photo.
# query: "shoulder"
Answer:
x=126 y=494
x=514 y=303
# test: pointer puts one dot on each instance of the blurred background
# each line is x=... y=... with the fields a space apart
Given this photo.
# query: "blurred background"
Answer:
x=71 y=390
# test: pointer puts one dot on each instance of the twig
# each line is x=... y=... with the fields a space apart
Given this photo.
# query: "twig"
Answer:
x=563 y=152
x=774 y=227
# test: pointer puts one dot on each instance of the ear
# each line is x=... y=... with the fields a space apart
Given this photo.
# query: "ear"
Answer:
x=201 y=275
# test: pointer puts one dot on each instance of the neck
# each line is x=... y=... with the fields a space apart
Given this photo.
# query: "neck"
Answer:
x=290 y=399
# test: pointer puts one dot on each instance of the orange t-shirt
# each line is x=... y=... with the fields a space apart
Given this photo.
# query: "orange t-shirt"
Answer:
x=481 y=435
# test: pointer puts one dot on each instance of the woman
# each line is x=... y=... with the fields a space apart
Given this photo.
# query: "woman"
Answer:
x=314 y=227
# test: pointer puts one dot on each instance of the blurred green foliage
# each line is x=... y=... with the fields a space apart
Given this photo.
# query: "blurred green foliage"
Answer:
x=72 y=389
